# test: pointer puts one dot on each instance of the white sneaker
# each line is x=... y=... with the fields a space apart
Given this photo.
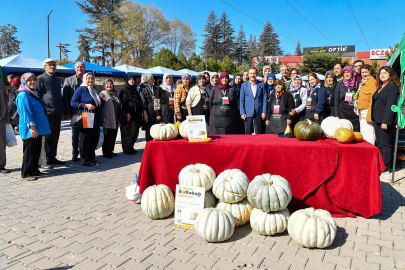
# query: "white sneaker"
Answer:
x=385 y=172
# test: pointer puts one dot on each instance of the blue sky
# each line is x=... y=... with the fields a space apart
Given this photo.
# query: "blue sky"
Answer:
x=382 y=23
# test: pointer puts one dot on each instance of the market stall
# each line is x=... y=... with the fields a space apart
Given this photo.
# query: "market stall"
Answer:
x=340 y=178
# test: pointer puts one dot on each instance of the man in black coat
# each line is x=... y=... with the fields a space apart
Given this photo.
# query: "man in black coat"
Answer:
x=49 y=89
x=69 y=87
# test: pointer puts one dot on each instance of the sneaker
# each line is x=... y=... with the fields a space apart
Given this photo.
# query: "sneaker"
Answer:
x=385 y=172
x=47 y=167
x=4 y=170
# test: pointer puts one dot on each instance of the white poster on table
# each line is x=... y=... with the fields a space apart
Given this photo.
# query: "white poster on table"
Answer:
x=189 y=203
x=197 y=128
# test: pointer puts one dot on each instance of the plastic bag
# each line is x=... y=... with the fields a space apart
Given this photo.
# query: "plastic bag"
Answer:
x=42 y=156
x=11 y=140
x=132 y=191
x=288 y=130
x=101 y=138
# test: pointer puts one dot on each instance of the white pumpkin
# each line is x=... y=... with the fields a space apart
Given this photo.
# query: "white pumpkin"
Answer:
x=184 y=129
x=269 y=193
x=312 y=228
x=269 y=223
x=214 y=225
x=231 y=186
x=198 y=175
x=157 y=201
x=331 y=124
x=209 y=200
x=240 y=211
x=164 y=132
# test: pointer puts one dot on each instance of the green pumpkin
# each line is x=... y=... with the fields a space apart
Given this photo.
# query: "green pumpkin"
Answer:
x=307 y=131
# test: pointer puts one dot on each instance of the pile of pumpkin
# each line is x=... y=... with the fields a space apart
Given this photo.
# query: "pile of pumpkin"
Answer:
x=165 y=132
x=332 y=127
x=265 y=206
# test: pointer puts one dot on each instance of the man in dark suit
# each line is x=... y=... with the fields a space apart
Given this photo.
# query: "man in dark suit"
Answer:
x=253 y=102
x=69 y=87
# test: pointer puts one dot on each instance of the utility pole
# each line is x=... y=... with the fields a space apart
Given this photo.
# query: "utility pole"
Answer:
x=49 y=53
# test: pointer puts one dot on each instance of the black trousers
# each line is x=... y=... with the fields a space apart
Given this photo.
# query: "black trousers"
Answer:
x=75 y=141
x=52 y=139
x=129 y=135
x=256 y=120
x=88 y=140
x=31 y=152
x=384 y=140
x=109 y=141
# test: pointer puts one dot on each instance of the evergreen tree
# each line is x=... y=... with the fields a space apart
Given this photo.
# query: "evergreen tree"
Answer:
x=241 y=47
x=84 y=49
x=226 y=44
x=212 y=65
x=165 y=58
x=210 y=46
x=320 y=63
x=269 y=45
x=183 y=61
x=227 y=65
x=63 y=50
x=9 y=45
x=195 y=62
x=298 y=51
x=252 y=49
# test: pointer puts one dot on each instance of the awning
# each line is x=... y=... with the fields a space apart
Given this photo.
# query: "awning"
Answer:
x=160 y=71
x=131 y=69
x=98 y=70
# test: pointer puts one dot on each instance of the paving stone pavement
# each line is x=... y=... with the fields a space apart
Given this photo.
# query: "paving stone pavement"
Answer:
x=79 y=218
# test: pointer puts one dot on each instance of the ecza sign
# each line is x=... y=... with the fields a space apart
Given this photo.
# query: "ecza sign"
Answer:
x=379 y=54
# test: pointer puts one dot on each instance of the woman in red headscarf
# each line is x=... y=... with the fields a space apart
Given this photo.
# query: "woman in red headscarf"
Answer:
x=223 y=107
x=12 y=94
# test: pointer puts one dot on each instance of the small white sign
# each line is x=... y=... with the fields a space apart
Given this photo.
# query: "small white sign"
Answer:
x=197 y=128
x=379 y=54
x=189 y=203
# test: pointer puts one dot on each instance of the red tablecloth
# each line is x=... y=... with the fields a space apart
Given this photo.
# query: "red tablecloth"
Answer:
x=340 y=178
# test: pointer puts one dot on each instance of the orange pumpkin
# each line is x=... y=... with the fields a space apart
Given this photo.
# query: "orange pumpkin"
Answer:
x=358 y=137
x=207 y=139
x=344 y=135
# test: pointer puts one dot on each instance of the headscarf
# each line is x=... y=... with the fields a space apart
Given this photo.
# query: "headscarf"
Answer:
x=198 y=78
x=186 y=75
x=223 y=86
x=333 y=76
x=130 y=92
x=206 y=81
x=295 y=88
x=270 y=87
x=211 y=75
x=237 y=87
x=266 y=67
x=169 y=88
x=178 y=82
x=16 y=82
x=352 y=81
x=145 y=77
x=91 y=89
x=32 y=92
x=112 y=93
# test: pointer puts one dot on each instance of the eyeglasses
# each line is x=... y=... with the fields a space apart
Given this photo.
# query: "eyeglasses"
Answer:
x=51 y=65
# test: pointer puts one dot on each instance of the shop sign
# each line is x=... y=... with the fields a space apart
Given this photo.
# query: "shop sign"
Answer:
x=379 y=54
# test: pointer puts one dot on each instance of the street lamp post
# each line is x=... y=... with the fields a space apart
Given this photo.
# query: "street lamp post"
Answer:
x=49 y=54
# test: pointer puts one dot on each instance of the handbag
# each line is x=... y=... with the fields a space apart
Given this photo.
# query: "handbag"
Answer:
x=76 y=120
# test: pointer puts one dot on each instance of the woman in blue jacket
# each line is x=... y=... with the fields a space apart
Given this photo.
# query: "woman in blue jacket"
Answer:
x=86 y=98
x=33 y=124
x=316 y=100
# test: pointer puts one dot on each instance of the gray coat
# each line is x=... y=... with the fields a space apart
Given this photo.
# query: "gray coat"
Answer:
x=69 y=87
x=49 y=89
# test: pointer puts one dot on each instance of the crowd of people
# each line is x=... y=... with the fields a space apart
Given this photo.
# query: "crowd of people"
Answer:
x=37 y=105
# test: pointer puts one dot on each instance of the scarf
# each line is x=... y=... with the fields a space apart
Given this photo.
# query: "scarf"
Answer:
x=211 y=75
x=183 y=92
x=91 y=89
x=334 y=79
x=223 y=86
x=352 y=81
x=130 y=91
x=145 y=77
x=237 y=87
x=16 y=82
x=186 y=75
x=270 y=88
x=279 y=94
x=112 y=93
x=32 y=92
x=295 y=88
x=169 y=88
x=266 y=67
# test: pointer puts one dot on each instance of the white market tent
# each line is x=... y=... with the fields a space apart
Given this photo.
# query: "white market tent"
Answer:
x=21 y=64
x=320 y=77
x=191 y=72
x=160 y=71
x=131 y=69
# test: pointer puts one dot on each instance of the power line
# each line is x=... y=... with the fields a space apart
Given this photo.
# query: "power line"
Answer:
x=309 y=22
x=258 y=21
x=317 y=20
x=358 y=24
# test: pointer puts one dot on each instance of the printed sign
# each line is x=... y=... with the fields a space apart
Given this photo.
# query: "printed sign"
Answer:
x=345 y=50
x=271 y=59
x=379 y=54
x=189 y=203
x=197 y=128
